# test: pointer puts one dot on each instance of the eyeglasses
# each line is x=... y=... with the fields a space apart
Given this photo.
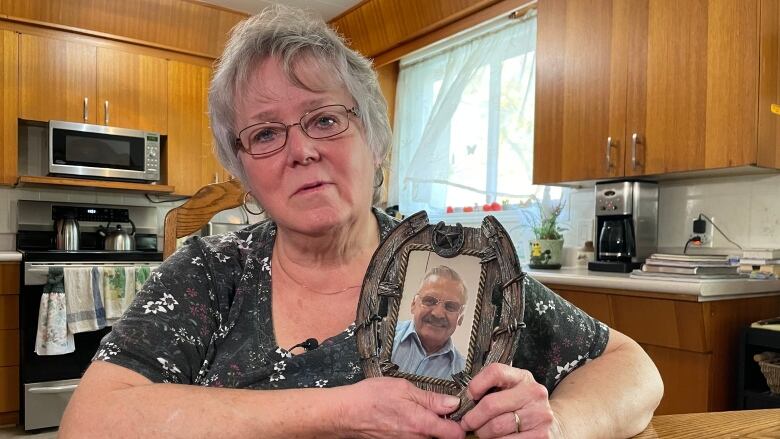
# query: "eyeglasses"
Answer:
x=449 y=305
x=265 y=138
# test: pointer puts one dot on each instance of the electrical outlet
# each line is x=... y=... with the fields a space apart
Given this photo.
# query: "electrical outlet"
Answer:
x=706 y=237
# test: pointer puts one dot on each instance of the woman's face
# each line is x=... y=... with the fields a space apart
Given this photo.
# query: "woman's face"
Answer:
x=309 y=186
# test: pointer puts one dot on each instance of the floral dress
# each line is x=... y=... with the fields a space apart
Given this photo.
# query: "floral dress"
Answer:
x=204 y=317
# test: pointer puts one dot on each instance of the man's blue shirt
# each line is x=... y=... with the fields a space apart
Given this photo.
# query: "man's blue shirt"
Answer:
x=409 y=354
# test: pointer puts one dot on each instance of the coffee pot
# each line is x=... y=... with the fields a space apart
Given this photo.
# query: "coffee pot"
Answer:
x=117 y=239
x=66 y=233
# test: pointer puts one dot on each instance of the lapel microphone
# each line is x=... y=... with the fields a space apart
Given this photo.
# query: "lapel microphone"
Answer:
x=307 y=345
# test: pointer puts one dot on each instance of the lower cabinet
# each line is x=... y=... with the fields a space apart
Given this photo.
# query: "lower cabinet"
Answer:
x=9 y=343
x=695 y=345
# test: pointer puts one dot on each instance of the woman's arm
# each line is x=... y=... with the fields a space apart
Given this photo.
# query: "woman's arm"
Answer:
x=112 y=401
x=613 y=395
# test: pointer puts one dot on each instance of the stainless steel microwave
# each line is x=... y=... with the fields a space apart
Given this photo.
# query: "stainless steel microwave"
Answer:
x=86 y=150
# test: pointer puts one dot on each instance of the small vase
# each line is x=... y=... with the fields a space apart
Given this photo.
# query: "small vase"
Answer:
x=545 y=253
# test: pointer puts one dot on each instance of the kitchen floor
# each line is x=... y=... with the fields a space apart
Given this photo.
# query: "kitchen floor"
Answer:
x=18 y=432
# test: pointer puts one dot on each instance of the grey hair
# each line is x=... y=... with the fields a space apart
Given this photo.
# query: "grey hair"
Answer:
x=448 y=273
x=291 y=36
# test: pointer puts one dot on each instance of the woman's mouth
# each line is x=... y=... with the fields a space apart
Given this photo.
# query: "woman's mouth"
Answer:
x=309 y=188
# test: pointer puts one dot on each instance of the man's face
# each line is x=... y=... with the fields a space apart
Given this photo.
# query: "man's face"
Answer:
x=435 y=324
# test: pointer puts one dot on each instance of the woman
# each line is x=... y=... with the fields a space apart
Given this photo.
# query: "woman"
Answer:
x=300 y=120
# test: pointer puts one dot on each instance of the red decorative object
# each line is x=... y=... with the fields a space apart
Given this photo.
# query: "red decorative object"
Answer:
x=468 y=209
x=495 y=206
x=450 y=209
x=487 y=207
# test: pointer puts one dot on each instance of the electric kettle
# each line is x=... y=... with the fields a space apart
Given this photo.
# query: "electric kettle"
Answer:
x=117 y=239
x=66 y=233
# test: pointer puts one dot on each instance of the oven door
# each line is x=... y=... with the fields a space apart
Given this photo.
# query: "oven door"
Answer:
x=47 y=381
x=98 y=151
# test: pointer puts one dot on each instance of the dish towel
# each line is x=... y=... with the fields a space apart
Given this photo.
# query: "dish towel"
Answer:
x=80 y=295
x=118 y=286
x=52 y=336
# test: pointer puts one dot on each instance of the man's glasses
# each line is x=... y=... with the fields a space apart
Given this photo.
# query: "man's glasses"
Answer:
x=265 y=138
x=449 y=305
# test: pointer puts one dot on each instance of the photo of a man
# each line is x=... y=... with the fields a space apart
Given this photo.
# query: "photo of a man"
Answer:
x=423 y=344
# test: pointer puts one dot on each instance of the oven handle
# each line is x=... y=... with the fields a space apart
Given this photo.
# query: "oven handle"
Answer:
x=53 y=389
x=36 y=273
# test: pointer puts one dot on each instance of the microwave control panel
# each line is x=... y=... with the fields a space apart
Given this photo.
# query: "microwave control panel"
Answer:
x=152 y=168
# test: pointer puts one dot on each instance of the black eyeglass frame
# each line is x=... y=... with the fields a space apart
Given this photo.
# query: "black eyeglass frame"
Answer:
x=443 y=302
x=240 y=145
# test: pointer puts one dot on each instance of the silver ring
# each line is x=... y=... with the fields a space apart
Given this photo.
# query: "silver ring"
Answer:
x=518 y=428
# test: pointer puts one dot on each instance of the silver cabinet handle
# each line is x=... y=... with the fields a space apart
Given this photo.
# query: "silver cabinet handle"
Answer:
x=54 y=389
x=635 y=139
x=105 y=107
x=610 y=144
x=86 y=109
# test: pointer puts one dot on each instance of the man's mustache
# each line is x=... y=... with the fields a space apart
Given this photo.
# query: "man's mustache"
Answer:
x=436 y=321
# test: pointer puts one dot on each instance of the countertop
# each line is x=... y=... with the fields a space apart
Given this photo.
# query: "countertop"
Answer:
x=10 y=256
x=711 y=289
x=746 y=423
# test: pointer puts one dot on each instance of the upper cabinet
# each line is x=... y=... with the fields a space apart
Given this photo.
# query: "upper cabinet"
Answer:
x=647 y=87
x=56 y=80
x=190 y=161
x=9 y=55
x=132 y=90
x=64 y=80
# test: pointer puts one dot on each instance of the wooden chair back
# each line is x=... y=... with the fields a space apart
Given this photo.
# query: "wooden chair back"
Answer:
x=198 y=211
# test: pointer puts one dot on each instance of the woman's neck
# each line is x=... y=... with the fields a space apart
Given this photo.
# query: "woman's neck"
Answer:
x=340 y=247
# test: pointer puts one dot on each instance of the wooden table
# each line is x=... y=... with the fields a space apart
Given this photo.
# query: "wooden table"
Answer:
x=738 y=424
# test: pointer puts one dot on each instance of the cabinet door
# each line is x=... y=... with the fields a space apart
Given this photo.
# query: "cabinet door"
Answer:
x=135 y=87
x=9 y=98
x=692 y=93
x=184 y=154
x=580 y=90
x=212 y=171
x=55 y=79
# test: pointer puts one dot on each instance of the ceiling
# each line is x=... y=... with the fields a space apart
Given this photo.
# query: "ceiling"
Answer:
x=327 y=9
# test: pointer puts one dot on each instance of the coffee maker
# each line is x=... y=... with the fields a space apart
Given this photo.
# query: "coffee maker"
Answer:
x=626 y=225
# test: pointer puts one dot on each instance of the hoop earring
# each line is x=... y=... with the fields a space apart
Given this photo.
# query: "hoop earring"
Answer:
x=246 y=207
x=381 y=179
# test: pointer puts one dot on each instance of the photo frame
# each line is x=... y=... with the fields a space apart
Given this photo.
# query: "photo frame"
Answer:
x=470 y=287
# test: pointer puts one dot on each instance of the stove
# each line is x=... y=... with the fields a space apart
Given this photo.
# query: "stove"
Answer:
x=48 y=381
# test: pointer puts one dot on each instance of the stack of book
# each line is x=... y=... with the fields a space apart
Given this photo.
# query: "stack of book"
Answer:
x=760 y=263
x=692 y=268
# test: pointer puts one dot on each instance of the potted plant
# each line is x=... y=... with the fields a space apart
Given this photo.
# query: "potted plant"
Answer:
x=546 y=250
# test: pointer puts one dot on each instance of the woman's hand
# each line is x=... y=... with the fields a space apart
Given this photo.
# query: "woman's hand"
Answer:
x=517 y=407
x=395 y=408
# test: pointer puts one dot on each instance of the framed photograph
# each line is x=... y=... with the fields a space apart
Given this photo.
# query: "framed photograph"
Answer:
x=439 y=303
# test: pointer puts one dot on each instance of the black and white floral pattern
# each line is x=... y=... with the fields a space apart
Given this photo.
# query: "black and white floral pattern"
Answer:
x=204 y=317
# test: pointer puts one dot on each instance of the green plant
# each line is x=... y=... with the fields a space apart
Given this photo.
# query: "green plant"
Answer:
x=545 y=225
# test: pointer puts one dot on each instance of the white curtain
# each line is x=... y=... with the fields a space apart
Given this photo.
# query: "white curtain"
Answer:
x=451 y=107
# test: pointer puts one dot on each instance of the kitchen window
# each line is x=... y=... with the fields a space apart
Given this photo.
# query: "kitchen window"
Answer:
x=463 y=134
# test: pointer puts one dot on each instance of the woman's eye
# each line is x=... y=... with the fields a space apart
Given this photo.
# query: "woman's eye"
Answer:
x=325 y=121
x=265 y=135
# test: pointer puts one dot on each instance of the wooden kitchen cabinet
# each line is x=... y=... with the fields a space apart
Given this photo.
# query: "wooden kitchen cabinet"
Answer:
x=695 y=345
x=9 y=342
x=189 y=161
x=9 y=63
x=73 y=81
x=136 y=89
x=647 y=87
x=56 y=80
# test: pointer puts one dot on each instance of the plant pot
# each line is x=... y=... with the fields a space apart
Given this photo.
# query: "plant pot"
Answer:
x=545 y=253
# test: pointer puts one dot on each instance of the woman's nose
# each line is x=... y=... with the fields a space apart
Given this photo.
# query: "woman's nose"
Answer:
x=301 y=148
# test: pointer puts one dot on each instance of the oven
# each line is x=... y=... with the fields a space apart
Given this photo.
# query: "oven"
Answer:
x=48 y=381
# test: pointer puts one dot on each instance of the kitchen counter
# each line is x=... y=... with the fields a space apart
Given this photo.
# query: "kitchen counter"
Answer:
x=10 y=256
x=710 y=289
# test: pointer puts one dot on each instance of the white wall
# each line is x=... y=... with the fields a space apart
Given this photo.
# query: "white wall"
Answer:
x=746 y=208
